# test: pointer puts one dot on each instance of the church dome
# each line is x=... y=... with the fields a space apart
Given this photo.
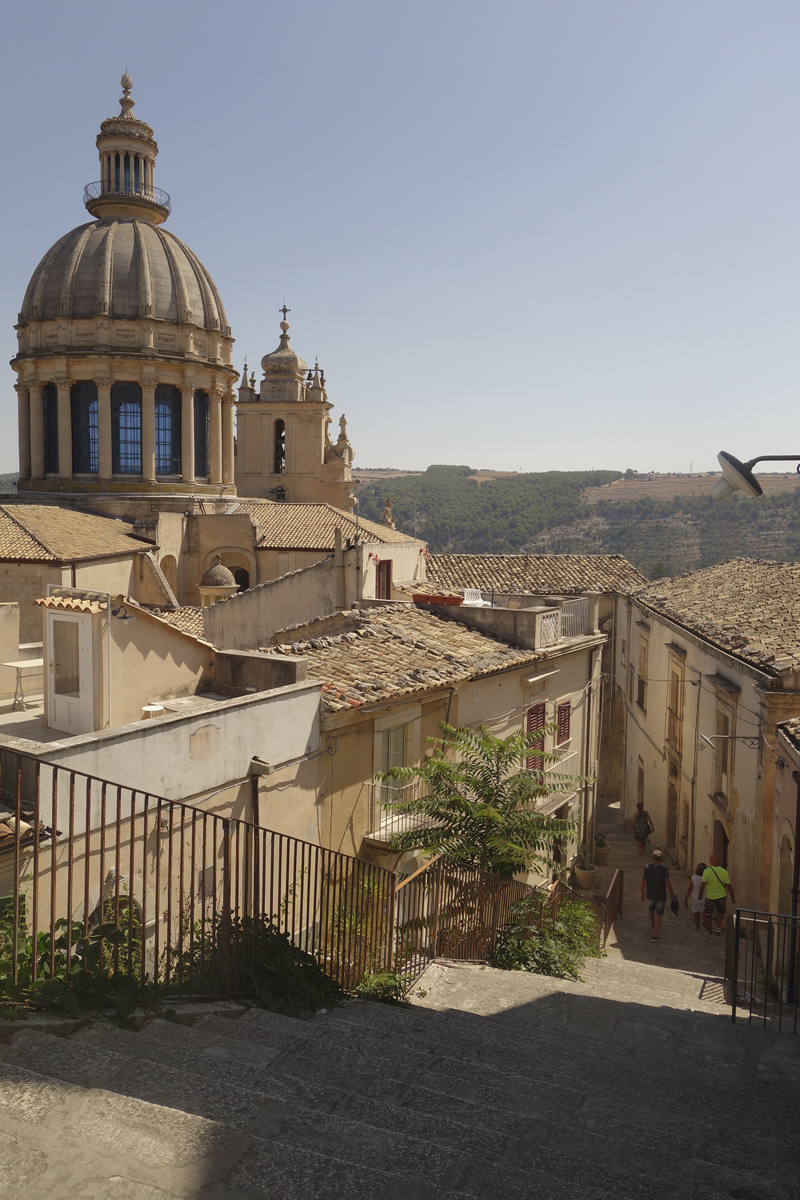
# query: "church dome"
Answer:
x=218 y=576
x=123 y=267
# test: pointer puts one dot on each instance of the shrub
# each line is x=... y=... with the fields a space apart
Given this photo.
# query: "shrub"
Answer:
x=534 y=942
x=384 y=986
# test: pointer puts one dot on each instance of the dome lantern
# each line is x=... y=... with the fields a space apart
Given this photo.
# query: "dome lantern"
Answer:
x=127 y=167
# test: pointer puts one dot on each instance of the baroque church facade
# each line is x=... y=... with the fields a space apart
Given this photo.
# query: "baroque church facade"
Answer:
x=125 y=378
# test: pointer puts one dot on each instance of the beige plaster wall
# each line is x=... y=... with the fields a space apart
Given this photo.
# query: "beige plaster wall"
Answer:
x=150 y=662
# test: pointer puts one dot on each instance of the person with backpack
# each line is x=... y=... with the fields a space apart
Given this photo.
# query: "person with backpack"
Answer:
x=642 y=826
x=655 y=881
x=714 y=890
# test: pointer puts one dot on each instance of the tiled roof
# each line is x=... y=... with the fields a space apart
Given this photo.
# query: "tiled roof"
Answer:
x=288 y=526
x=540 y=574
x=792 y=731
x=368 y=655
x=46 y=533
x=189 y=619
x=746 y=607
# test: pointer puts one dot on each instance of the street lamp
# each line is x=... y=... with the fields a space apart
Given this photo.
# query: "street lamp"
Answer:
x=738 y=476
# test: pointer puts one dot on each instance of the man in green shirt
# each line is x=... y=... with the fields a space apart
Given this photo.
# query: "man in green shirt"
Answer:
x=715 y=889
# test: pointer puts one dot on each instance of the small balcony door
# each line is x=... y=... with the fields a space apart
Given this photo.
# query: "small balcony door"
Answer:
x=69 y=672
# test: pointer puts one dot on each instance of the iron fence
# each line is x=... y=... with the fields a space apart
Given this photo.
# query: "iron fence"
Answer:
x=575 y=618
x=179 y=895
x=386 y=820
x=762 y=969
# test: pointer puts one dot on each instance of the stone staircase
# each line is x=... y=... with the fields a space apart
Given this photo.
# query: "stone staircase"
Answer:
x=497 y=1085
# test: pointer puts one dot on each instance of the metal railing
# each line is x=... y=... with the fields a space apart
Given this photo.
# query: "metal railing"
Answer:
x=127 y=188
x=762 y=969
x=612 y=903
x=192 y=897
x=575 y=618
x=445 y=911
x=386 y=820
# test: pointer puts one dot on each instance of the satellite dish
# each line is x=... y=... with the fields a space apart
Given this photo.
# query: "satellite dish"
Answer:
x=736 y=477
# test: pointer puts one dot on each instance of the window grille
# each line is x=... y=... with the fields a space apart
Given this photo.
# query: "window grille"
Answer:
x=83 y=405
x=126 y=429
x=168 y=430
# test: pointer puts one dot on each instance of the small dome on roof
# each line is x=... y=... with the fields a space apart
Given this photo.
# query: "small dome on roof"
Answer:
x=218 y=576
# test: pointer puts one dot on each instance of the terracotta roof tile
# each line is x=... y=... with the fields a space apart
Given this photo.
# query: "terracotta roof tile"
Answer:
x=46 y=533
x=288 y=526
x=369 y=655
x=747 y=607
x=188 y=618
x=540 y=574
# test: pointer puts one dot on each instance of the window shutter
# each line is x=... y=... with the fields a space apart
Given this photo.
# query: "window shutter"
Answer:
x=536 y=721
x=563 y=718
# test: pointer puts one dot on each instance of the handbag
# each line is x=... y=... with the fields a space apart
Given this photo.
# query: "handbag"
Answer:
x=675 y=905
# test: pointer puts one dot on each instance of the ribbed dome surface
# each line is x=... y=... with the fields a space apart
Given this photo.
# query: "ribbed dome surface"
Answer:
x=121 y=267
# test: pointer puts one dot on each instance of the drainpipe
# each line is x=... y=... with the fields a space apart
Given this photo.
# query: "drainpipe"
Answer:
x=790 y=990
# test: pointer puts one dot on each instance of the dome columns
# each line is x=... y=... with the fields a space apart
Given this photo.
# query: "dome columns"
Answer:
x=149 y=431
x=104 y=430
x=64 y=429
x=187 y=433
x=215 y=423
x=227 y=438
x=24 y=427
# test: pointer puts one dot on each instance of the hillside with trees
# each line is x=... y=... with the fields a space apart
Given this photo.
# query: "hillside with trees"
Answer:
x=548 y=513
x=449 y=509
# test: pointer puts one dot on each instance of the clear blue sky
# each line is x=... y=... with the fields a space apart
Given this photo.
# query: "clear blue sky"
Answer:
x=518 y=235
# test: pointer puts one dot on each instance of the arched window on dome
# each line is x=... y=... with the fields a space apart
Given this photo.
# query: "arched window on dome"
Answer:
x=83 y=403
x=168 y=430
x=50 y=427
x=280 y=448
x=201 y=435
x=126 y=429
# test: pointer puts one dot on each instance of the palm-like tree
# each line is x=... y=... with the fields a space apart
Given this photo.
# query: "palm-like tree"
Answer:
x=477 y=802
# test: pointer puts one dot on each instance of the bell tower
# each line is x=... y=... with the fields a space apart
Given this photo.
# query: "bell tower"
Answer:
x=284 y=449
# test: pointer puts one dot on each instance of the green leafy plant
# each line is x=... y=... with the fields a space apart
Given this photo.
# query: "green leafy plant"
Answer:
x=384 y=986
x=478 y=805
x=535 y=941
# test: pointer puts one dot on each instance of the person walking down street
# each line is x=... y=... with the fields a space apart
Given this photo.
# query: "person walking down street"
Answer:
x=693 y=890
x=642 y=826
x=655 y=881
x=715 y=889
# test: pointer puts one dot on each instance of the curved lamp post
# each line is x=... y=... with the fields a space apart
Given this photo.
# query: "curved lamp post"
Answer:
x=738 y=476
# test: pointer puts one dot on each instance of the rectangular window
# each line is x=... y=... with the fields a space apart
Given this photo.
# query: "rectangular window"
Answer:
x=50 y=421
x=631 y=684
x=641 y=682
x=395 y=752
x=201 y=435
x=722 y=754
x=168 y=430
x=126 y=429
x=562 y=723
x=536 y=721
x=675 y=708
x=383 y=579
x=83 y=404
x=640 y=785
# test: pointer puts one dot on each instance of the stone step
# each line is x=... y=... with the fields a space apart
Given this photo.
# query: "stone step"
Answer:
x=103 y=1133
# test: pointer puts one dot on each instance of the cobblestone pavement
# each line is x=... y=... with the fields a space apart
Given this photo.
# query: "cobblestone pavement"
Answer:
x=498 y=1085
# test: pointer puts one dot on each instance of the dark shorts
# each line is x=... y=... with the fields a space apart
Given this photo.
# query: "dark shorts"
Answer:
x=656 y=906
x=719 y=905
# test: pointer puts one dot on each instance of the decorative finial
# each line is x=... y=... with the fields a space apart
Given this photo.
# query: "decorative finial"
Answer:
x=284 y=322
x=126 y=104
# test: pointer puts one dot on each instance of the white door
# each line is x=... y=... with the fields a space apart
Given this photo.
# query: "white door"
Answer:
x=70 y=677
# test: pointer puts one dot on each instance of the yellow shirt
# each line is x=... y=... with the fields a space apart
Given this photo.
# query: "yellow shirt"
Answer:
x=716 y=884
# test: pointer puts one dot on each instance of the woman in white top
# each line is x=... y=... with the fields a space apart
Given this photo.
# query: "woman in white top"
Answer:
x=693 y=890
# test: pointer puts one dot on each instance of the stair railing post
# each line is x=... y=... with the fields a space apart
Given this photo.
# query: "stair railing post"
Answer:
x=226 y=904
x=735 y=970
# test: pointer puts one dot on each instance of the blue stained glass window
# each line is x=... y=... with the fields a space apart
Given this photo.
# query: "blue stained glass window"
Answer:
x=168 y=430
x=126 y=429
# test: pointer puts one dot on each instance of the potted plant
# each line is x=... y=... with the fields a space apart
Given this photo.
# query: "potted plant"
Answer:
x=601 y=849
x=584 y=870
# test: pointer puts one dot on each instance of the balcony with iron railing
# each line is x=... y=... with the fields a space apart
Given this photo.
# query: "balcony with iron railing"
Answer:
x=125 y=191
x=387 y=819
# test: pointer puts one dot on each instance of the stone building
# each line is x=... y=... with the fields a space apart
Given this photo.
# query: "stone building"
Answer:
x=124 y=373
x=707 y=666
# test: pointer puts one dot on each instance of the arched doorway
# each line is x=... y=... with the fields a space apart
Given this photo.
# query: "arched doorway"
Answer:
x=242 y=578
x=169 y=566
x=721 y=843
x=786 y=860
